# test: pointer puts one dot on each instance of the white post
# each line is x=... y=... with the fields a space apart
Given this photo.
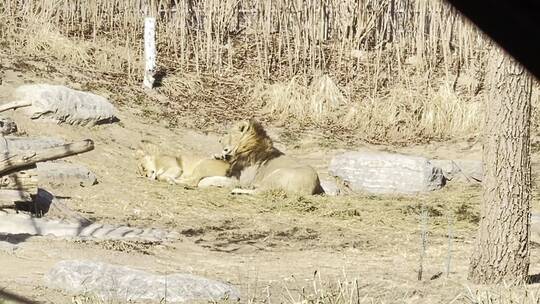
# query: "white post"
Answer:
x=149 y=51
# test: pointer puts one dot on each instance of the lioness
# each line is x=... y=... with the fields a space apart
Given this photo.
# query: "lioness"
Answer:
x=186 y=169
x=247 y=147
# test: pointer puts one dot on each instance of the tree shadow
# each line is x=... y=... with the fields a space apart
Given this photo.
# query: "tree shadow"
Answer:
x=43 y=203
x=40 y=204
x=158 y=77
x=534 y=278
x=9 y=296
x=14 y=239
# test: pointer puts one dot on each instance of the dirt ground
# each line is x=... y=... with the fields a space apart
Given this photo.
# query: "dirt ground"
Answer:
x=273 y=248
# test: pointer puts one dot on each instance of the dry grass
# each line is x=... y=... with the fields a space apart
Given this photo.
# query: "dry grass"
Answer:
x=503 y=295
x=296 y=36
x=29 y=30
x=346 y=290
x=395 y=71
x=405 y=114
x=319 y=102
x=354 y=291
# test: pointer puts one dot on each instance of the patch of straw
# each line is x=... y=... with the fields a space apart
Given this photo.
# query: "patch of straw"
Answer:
x=317 y=102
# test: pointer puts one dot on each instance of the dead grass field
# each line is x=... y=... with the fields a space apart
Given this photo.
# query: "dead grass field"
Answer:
x=387 y=72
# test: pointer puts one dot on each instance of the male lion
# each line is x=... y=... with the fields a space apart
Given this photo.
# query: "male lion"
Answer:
x=247 y=147
x=186 y=169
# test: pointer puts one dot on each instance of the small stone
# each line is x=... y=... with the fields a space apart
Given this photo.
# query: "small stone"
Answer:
x=330 y=187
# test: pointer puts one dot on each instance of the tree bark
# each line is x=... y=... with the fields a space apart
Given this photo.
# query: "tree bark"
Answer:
x=502 y=245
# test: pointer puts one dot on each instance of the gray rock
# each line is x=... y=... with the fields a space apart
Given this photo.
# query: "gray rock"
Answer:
x=62 y=104
x=383 y=172
x=460 y=169
x=119 y=282
x=330 y=187
x=65 y=173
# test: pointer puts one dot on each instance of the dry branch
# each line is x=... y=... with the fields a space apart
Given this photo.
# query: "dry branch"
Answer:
x=20 y=160
x=14 y=105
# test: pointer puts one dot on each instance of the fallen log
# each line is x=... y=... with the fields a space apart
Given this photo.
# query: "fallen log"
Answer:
x=10 y=162
x=15 y=145
x=49 y=175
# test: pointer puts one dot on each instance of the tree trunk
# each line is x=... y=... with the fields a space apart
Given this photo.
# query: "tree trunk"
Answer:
x=502 y=246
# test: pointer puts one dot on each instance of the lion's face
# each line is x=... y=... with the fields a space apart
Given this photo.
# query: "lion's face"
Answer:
x=144 y=170
x=145 y=165
x=231 y=141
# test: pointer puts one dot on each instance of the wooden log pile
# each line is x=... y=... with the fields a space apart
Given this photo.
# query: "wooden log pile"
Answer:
x=25 y=162
x=19 y=177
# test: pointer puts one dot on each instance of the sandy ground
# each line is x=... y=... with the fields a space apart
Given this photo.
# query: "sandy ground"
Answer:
x=270 y=247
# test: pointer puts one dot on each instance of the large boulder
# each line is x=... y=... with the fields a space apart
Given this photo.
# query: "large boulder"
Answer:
x=122 y=283
x=62 y=104
x=384 y=172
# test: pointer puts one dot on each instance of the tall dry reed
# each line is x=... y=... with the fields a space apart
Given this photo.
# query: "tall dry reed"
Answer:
x=280 y=36
x=385 y=61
